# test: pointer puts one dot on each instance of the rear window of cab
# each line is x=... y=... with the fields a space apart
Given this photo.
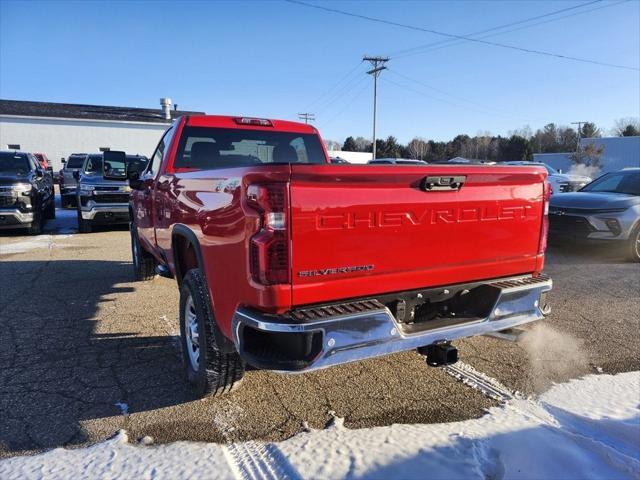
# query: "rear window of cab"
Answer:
x=206 y=148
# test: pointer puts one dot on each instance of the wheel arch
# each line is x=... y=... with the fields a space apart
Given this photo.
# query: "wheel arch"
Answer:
x=183 y=241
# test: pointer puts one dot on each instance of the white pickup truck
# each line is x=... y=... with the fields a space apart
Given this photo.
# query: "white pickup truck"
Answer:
x=560 y=182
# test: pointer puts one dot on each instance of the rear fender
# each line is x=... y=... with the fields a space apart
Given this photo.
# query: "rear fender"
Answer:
x=183 y=235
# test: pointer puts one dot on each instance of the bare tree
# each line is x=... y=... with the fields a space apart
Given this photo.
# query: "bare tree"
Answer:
x=626 y=127
x=332 y=145
x=418 y=148
x=363 y=144
x=589 y=155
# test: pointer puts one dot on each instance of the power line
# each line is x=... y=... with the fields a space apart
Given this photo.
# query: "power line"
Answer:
x=334 y=86
x=345 y=107
x=462 y=37
x=429 y=47
x=346 y=89
x=457 y=97
x=307 y=117
x=404 y=52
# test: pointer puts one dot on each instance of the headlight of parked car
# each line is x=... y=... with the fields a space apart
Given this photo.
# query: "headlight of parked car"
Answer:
x=86 y=189
x=22 y=187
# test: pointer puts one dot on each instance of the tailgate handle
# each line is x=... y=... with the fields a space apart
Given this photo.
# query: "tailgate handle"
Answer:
x=431 y=184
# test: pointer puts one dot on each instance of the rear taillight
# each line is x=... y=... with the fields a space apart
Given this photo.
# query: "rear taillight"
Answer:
x=544 y=231
x=269 y=249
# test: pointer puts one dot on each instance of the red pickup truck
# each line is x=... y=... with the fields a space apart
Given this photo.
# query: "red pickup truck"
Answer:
x=290 y=263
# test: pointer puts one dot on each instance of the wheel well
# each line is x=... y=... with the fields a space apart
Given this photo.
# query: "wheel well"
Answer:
x=185 y=256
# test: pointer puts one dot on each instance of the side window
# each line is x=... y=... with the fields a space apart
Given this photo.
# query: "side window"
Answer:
x=156 y=158
x=33 y=163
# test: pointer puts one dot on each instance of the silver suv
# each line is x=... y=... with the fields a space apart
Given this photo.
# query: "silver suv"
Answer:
x=606 y=210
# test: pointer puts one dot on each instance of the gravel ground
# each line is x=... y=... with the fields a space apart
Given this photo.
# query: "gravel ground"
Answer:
x=86 y=351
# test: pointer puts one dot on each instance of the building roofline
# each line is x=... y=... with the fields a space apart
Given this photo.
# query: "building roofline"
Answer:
x=31 y=109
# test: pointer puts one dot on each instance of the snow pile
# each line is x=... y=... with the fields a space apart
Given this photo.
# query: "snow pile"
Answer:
x=587 y=428
x=39 y=242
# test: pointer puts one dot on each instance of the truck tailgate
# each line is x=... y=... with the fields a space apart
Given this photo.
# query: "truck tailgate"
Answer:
x=361 y=230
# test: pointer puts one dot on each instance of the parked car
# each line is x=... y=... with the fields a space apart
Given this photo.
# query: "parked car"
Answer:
x=289 y=263
x=26 y=193
x=102 y=196
x=338 y=160
x=395 y=161
x=67 y=180
x=560 y=182
x=44 y=163
x=606 y=210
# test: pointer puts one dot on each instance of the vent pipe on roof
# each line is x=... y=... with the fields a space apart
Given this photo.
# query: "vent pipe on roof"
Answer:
x=166 y=107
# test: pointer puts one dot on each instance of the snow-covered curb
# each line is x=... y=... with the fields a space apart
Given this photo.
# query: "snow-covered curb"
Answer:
x=587 y=428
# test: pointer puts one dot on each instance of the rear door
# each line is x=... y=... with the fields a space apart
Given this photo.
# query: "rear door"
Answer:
x=363 y=230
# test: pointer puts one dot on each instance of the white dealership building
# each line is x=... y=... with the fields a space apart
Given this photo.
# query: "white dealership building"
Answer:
x=59 y=129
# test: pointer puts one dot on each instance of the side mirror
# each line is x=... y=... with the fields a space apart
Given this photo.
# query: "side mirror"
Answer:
x=114 y=165
x=134 y=180
x=63 y=161
x=76 y=174
x=39 y=173
x=559 y=170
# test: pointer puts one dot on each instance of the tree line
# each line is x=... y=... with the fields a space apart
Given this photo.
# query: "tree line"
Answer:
x=517 y=145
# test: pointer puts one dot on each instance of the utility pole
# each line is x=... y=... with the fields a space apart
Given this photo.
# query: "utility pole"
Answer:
x=579 y=132
x=378 y=66
x=307 y=117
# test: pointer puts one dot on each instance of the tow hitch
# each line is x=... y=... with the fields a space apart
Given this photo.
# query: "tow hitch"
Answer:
x=439 y=354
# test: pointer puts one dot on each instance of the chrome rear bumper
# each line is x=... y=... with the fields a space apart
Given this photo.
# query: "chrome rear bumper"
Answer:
x=347 y=337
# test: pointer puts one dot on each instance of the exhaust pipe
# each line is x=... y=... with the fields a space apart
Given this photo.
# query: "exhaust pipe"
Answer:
x=439 y=354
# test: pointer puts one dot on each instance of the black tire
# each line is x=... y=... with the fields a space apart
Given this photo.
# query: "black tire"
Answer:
x=84 y=226
x=36 y=226
x=144 y=265
x=216 y=372
x=50 y=211
x=634 y=244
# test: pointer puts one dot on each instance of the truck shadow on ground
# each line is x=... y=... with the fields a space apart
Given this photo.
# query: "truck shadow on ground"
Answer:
x=58 y=371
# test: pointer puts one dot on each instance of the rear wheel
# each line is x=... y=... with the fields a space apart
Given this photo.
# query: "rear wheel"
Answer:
x=144 y=266
x=634 y=244
x=209 y=370
x=84 y=226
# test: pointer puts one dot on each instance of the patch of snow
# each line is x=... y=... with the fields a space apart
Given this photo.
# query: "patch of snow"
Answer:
x=124 y=408
x=587 y=428
x=32 y=243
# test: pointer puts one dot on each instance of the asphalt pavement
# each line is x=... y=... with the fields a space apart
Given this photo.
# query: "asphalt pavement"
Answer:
x=86 y=351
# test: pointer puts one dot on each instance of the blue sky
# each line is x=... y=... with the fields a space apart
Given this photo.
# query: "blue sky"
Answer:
x=276 y=59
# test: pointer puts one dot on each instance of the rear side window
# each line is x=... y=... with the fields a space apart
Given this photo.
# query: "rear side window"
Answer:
x=204 y=148
x=94 y=164
x=75 y=161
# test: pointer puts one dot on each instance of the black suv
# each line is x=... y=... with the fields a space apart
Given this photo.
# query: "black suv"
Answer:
x=26 y=193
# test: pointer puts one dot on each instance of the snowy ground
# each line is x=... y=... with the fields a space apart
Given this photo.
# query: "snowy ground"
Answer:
x=587 y=428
